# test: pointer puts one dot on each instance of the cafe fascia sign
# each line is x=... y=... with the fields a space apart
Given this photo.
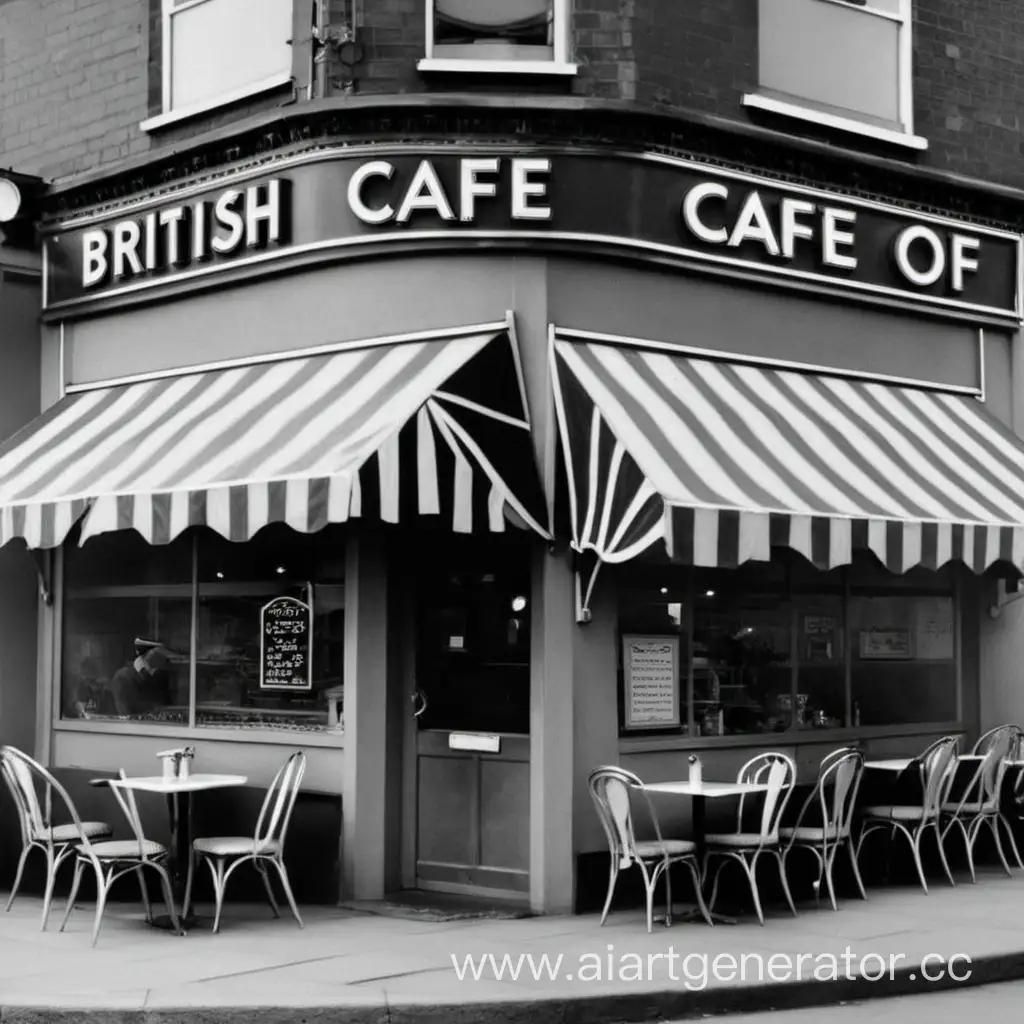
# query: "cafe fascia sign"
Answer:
x=648 y=207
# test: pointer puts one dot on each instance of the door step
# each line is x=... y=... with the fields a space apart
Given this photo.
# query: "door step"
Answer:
x=416 y=905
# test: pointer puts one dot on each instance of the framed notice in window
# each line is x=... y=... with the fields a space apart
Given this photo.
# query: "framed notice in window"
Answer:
x=651 y=672
x=885 y=644
x=286 y=638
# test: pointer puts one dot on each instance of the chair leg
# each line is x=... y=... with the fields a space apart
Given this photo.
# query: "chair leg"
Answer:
x=217 y=870
x=751 y=870
x=168 y=894
x=102 y=888
x=17 y=876
x=855 y=867
x=1013 y=840
x=695 y=871
x=668 y=894
x=915 y=849
x=994 y=827
x=613 y=877
x=145 y=894
x=260 y=865
x=714 y=883
x=968 y=842
x=785 y=881
x=283 y=872
x=830 y=859
x=51 y=879
x=942 y=853
x=79 y=864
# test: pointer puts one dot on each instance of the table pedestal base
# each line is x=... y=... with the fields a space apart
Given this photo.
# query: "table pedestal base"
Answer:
x=163 y=921
x=687 y=914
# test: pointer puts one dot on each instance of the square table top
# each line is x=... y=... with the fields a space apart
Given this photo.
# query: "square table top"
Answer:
x=201 y=780
x=711 y=789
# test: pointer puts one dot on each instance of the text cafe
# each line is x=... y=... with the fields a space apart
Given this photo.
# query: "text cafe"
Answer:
x=613 y=457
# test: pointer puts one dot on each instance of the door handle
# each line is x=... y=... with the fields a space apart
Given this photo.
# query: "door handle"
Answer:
x=418 y=698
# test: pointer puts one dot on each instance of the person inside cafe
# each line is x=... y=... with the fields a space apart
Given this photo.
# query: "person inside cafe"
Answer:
x=144 y=684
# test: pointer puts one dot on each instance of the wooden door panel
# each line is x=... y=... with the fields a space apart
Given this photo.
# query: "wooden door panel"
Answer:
x=448 y=798
x=505 y=814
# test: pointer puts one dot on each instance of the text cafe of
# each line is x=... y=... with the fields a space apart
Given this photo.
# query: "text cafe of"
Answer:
x=467 y=469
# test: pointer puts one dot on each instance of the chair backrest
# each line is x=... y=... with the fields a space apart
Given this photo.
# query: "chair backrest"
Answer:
x=25 y=778
x=778 y=772
x=1008 y=734
x=610 y=788
x=276 y=812
x=937 y=765
x=126 y=801
x=837 y=787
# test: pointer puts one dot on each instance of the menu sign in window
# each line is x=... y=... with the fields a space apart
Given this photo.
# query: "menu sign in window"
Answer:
x=651 y=671
x=286 y=634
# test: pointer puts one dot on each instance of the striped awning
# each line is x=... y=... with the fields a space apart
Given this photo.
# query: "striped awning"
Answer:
x=432 y=426
x=724 y=461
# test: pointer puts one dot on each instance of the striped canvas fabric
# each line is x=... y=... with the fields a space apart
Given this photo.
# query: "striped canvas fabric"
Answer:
x=432 y=427
x=723 y=461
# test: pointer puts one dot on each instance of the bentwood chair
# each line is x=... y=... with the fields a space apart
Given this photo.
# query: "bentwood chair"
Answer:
x=744 y=848
x=834 y=798
x=611 y=789
x=113 y=859
x=1015 y=751
x=265 y=847
x=934 y=770
x=978 y=803
x=26 y=779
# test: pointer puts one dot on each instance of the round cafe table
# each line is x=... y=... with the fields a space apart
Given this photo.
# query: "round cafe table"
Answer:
x=181 y=823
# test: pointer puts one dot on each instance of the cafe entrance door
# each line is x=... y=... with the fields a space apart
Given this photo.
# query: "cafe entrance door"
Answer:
x=467 y=802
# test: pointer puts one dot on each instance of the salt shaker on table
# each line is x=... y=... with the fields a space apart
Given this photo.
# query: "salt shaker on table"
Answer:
x=695 y=770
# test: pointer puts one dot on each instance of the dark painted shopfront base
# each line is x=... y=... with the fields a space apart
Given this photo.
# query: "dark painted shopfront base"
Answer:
x=312 y=852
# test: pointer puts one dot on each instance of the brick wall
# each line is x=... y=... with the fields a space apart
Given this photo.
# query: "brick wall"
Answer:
x=77 y=76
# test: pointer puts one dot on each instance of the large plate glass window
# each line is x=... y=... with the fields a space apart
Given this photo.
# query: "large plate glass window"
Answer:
x=172 y=635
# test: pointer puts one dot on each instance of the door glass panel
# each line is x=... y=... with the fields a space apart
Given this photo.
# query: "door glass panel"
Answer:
x=474 y=644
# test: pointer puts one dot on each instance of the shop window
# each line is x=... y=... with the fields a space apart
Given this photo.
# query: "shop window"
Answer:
x=215 y=52
x=198 y=606
x=742 y=656
x=780 y=647
x=845 y=64
x=903 y=666
x=497 y=35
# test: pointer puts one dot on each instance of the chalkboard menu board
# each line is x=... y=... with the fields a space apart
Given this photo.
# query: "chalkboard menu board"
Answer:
x=286 y=635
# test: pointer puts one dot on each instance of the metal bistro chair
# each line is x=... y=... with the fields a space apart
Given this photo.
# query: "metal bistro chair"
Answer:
x=24 y=777
x=978 y=804
x=1016 y=752
x=934 y=768
x=835 y=796
x=779 y=773
x=265 y=847
x=115 y=858
x=610 y=788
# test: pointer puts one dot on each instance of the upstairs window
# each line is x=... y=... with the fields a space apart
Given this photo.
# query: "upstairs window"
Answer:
x=845 y=64
x=216 y=52
x=498 y=35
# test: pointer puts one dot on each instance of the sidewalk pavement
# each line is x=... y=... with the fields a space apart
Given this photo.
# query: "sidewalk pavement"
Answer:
x=358 y=968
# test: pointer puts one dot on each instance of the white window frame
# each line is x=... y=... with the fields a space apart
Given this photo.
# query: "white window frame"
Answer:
x=559 y=64
x=904 y=85
x=170 y=116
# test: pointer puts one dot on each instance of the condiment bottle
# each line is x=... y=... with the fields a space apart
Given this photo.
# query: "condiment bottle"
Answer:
x=695 y=770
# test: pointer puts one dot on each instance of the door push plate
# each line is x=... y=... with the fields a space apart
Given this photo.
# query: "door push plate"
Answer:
x=474 y=741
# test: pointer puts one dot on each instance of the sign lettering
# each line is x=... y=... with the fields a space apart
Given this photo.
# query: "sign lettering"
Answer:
x=634 y=207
